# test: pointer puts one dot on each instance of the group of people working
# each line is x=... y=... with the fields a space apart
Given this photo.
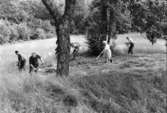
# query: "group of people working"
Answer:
x=35 y=58
x=107 y=53
x=33 y=62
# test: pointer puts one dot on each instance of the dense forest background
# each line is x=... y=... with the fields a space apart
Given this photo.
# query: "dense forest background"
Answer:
x=29 y=19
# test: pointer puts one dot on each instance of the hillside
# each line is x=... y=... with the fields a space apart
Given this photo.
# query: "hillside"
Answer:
x=131 y=84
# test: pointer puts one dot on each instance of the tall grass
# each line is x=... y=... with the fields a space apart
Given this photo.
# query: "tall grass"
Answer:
x=34 y=94
x=131 y=84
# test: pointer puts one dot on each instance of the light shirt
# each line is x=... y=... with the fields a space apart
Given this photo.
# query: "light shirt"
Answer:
x=107 y=47
x=130 y=40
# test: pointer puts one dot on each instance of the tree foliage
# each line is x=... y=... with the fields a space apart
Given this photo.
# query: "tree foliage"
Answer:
x=107 y=17
x=33 y=15
x=147 y=17
x=125 y=15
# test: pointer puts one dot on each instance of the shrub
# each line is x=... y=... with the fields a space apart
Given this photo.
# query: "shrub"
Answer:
x=14 y=34
x=41 y=33
x=4 y=31
x=95 y=44
x=23 y=31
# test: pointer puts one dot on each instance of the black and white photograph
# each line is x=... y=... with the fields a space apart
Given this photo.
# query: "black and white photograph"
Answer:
x=83 y=56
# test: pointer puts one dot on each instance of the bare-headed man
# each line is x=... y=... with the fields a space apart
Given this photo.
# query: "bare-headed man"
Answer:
x=34 y=62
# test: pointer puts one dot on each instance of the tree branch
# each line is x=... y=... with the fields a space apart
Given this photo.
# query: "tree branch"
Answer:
x=52 y=9
x=69 y=7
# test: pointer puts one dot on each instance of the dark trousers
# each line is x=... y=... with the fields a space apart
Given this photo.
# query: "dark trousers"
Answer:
x=130 y=51
x=21 y=65
x=34 y=68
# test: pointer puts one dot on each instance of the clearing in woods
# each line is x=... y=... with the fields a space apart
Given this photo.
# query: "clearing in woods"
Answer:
x=147 y=56
x=125 y=80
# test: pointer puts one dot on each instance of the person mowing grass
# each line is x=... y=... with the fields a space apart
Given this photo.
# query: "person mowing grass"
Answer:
x=21 y=61
x=75 y=52
x=131 y=45
x=106 y=52
x=34 y=62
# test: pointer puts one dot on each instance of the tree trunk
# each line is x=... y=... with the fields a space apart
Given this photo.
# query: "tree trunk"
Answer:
x=63 y=48
x=103 y=27
x=62 y=23
x=111 y=23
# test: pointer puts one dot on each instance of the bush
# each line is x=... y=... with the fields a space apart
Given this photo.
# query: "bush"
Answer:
x=14 y=34
x=95 y=44
x=38 y=34
x=4 y=31
x=95 y=39
x=23 y=31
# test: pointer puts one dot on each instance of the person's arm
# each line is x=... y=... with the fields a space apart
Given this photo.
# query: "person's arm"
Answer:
x=41 y=60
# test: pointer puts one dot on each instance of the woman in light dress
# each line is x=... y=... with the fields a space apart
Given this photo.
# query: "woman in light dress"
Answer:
x=106 y=52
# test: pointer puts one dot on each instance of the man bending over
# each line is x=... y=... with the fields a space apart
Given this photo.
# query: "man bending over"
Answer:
x=34 y=62
x=21 y=61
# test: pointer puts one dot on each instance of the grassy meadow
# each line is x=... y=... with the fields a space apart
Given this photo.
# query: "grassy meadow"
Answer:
x=131 y=84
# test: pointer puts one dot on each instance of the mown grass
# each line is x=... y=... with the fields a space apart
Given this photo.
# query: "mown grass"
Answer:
x=131 y=84
x=125 y=92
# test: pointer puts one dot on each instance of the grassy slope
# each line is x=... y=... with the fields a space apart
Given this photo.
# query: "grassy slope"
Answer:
x=135 y=84
x=131 y=84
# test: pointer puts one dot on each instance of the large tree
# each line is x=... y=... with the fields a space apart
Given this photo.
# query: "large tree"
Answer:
x=106 y=18
x=62 y=23
x=150 y=17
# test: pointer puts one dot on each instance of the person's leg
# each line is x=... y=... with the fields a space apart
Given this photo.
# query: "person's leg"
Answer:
x=75 y=53
x=108 y=55
x=111 y=60
x=36 y=68
x=130 y=49
x=107 y=60
x=105 y=55
x=30 y=69
x=24 y=65
x=20 y=66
